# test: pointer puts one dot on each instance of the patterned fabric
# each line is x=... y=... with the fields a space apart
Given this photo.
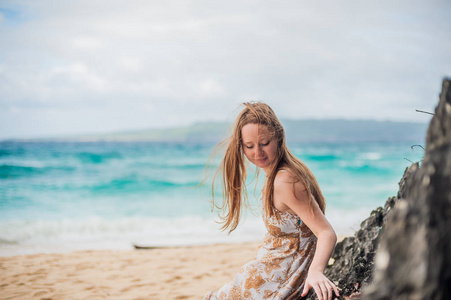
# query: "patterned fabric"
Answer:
x=280 y=268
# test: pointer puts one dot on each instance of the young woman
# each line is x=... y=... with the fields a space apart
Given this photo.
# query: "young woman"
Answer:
x=300 y=240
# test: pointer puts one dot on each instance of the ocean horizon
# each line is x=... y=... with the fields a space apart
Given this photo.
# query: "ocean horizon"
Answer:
x=66 y=196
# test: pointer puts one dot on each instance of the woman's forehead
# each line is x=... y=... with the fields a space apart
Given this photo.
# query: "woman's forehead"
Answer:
x=255 y=131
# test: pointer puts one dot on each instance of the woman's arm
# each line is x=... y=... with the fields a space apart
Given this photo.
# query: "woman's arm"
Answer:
x=297 y=202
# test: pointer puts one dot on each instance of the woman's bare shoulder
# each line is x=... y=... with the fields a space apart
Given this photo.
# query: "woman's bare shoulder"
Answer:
x=288 y=189
x=285 y=176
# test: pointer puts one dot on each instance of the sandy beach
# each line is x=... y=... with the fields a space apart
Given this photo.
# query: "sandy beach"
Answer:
x=165 y=273
x=170 y=273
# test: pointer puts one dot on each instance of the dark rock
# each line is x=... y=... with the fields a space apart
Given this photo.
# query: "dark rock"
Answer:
x=353 y=258
x=414 y=256
x=414 y=229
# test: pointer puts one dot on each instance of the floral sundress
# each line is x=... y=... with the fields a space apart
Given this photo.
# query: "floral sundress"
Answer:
x=280 y=268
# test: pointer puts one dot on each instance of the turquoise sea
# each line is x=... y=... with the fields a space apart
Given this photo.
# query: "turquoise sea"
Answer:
x=57 y=197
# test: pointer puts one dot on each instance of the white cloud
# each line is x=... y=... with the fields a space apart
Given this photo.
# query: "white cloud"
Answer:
x=132 y=64
x=211 y=88
x=78 y=76
x=163 y=63
x=87 y=43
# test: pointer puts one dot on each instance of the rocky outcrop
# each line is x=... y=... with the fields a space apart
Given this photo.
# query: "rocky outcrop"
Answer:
x=413 y=258
x=353 y=258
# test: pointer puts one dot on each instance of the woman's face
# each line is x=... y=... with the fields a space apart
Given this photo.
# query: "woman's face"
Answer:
x=259 y=145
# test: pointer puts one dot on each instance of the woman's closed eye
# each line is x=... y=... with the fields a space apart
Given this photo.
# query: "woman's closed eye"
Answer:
x=262 y=144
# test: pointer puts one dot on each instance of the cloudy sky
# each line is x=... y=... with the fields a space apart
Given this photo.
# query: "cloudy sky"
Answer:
x=96 y=66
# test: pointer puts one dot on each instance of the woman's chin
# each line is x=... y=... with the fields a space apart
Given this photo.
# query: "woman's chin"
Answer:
x=262 y=164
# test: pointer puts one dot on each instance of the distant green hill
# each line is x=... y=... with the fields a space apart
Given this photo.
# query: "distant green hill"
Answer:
x=296 y=131
x=354 y=130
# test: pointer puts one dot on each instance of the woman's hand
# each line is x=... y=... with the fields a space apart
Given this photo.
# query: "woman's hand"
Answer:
x=323 y=287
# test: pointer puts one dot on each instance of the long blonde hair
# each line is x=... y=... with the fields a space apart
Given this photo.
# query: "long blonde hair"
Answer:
x=233 y=167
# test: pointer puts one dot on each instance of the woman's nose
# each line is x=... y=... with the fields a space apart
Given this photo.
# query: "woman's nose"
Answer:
x=258 y=150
